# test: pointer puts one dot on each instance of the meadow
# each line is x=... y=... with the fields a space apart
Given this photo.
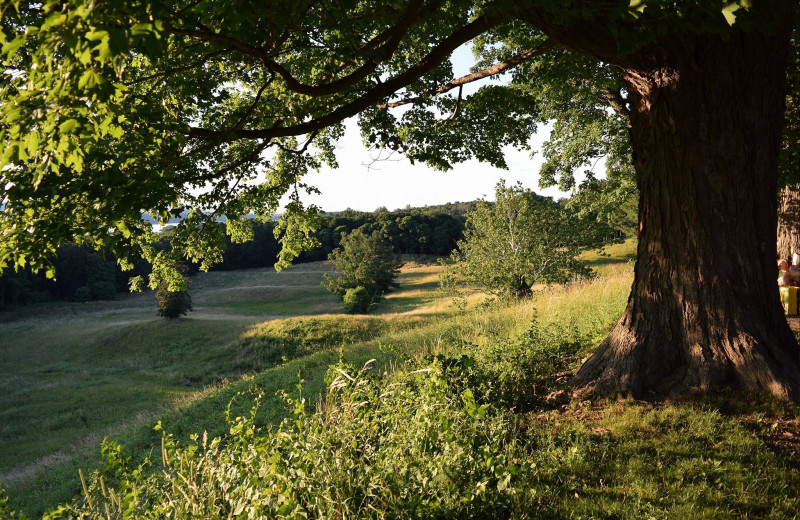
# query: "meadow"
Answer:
x=433 y=408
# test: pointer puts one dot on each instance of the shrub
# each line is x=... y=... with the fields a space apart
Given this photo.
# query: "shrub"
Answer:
x=358 y=300
x=103 y=290
x=402 y=447
x=172 y=304
x=363 y=261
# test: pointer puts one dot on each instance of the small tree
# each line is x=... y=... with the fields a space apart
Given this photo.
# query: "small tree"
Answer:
x=357 y=300
x=519 y=240
x=173 y=304
x=366 y=261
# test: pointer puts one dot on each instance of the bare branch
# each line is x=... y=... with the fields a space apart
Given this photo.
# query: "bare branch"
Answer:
x=379 y=158
x=458 y=103
x=252 y=107
x=615 y=100
x=305 y=146
x=475 y=76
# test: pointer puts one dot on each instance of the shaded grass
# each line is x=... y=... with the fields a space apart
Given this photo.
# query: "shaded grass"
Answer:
x=90 y=371
x=681 y=459
x=72 y=383
x=691 y=457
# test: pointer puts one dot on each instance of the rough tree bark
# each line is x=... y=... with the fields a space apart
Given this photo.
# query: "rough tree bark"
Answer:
x=788 y=221
x=704 y=310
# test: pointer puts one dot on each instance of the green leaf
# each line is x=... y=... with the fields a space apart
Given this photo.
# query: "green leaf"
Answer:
x=90 y=79
x=11 y=48
x=97 y=35
x=69 y=126
x=637 y=6
x=54 y=20
x=32 y=143
x=120 y=224
x=728 y=11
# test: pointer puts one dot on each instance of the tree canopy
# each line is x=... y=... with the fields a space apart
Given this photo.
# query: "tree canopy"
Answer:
x=364 y=260
x=519 y=240
x=113 y=108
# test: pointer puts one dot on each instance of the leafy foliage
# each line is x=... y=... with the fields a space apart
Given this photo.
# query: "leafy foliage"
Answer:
x=408 y=446
x=114 y=108
x=367 y=262
x=519 y=240
x=357 y=300
x=173 y=304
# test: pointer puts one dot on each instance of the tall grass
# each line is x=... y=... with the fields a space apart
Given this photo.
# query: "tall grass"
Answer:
x=440 y=412
x=459 y=431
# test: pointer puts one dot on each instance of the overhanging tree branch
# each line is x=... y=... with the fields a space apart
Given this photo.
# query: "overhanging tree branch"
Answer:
x=481 y=74
x=393 y=38
x=367 y=100
x=169 y=72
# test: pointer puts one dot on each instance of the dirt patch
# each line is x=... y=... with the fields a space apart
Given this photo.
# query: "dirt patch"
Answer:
x=783 y=438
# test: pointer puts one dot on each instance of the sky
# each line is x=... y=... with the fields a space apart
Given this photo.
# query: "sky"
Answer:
x=362 y=184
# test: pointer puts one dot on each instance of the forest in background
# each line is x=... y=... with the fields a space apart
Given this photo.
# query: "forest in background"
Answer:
x=83 y=274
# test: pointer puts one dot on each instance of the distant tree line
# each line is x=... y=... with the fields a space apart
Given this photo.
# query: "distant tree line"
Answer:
x=83 y=274
x=421 y=231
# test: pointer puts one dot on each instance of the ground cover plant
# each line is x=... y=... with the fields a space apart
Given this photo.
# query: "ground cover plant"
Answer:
x=72 y=374
x=451 y=419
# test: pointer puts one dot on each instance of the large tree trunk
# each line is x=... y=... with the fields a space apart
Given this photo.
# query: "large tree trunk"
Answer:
x=788 y=221
x=704 y=309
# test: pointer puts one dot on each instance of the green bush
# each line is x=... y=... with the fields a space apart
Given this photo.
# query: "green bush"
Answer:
x=405 y=446
x=358 y=300
x=103 y=290
x=172 y=304
x=363 y=260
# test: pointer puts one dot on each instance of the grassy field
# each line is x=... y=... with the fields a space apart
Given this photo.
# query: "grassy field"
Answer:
x=84 y=372
x=73 y=374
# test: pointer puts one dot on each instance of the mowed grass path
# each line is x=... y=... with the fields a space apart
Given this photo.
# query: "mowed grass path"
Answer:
x=77 y=373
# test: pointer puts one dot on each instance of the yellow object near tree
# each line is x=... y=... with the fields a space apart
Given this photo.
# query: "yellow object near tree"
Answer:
x=789 y=300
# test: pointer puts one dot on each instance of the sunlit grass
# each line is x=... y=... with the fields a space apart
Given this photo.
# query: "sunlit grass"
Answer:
x=81 y=372
x=689 y=457
x=613 y=259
